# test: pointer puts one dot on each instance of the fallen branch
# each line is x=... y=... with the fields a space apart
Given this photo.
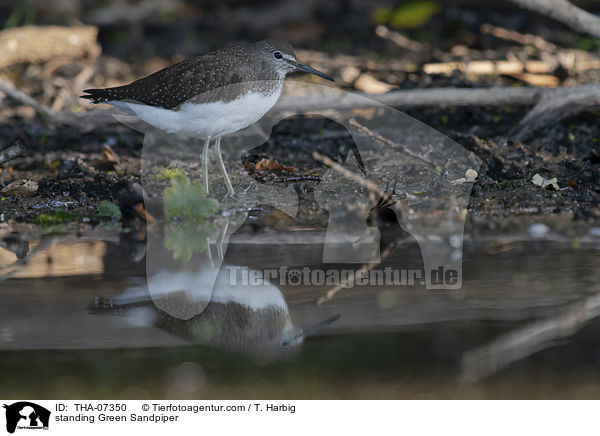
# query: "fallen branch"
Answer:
x=23 y=98
x=494 y=96
x=328 y=296
x=557 y=105
x=36 y=44
x=12 y=152
x=84 y=121
x=550 y=103
x=565 y=12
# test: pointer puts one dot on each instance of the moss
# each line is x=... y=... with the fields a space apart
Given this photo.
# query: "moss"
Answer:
x=169 y=174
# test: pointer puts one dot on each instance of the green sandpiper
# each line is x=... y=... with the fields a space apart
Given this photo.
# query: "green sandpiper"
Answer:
x=211 y=95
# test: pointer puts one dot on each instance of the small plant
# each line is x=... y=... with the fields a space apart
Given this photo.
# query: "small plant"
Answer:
x=187 y=201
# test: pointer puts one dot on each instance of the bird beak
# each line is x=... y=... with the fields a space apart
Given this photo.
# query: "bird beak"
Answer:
x=315 y=328
x=311 y=70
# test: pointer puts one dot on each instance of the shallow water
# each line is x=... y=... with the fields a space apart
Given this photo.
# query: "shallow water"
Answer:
x=524 y=325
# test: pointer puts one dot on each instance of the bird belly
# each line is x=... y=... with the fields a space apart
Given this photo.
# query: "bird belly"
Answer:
x=205 y=120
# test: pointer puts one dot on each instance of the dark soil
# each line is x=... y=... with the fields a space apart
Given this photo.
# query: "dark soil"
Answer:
x=567 y=150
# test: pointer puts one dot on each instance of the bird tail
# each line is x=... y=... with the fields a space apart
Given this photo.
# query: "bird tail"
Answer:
x=97 y=95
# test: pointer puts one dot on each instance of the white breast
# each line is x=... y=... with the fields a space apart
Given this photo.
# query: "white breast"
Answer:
x=206 y=120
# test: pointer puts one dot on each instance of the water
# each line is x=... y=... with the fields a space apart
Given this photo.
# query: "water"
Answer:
x=524 y=325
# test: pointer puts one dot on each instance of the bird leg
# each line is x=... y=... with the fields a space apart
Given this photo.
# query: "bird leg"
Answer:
x=205 y=164
x=230 y=190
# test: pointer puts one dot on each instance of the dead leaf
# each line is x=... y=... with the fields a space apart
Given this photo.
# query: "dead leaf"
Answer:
x=273 y=165
x=109 y=160
x=20 y=187
x=371 y=85
x=249 y=167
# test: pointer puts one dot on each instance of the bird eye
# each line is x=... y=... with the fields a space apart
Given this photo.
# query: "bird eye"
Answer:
x=277 y=55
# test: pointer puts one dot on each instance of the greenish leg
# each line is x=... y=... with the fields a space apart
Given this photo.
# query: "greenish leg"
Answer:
x=205 y=164
x=230 y=190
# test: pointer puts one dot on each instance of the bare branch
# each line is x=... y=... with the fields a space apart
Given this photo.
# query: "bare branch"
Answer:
x=564 y=11
x=12 y=152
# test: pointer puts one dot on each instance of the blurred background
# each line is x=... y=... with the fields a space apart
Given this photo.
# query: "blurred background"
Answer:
x=73 y=224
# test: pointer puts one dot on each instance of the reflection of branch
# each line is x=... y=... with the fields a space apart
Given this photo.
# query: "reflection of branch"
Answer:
x=388 y=142
x=381 y=194
x=523 y=342
x=10 y=270
x=566 y=12
x=328 y=296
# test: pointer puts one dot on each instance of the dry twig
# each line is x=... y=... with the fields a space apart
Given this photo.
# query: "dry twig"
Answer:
x=388 y=142
x=522 y=38
x=11 y=91
x=400 y=40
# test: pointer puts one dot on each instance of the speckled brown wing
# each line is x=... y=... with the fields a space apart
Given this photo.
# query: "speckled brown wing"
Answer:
x=174 y=85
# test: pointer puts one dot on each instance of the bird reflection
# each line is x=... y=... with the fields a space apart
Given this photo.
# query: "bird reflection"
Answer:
x=249 y=320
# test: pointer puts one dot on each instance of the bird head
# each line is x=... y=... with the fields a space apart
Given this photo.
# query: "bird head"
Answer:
x=281 y=54
x=293 y=338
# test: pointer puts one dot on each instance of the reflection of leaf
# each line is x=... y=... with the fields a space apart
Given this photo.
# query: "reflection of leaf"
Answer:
x=108 y=209
x=187 y=200
x=185 y=240
x=409 y=15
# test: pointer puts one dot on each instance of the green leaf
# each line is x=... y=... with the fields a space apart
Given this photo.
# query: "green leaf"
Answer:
x=187 y=200
x=413 y=14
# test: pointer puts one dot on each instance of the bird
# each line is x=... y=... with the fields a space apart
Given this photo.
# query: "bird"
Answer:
x=251 y=320
x=210 y=95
